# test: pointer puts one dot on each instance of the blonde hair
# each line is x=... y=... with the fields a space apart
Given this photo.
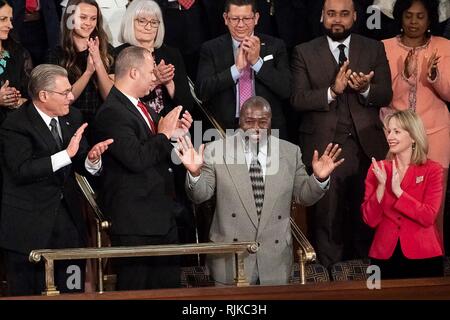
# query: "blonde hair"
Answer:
x=134 y=10
x=409 y=121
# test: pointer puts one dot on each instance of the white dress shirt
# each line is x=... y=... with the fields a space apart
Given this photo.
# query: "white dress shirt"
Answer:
x=135 y=101
x=262 y=158
x=334 y=48
x=61 y=158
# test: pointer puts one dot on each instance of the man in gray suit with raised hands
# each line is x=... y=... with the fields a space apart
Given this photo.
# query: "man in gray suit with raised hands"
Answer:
x=255 y=175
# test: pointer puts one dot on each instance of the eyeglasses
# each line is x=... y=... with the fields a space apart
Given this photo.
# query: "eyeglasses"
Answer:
x=144 y=23
x=65 y=93
x=234 y=21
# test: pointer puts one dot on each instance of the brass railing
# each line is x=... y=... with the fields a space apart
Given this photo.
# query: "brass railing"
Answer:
x=101 y=223
x=240 y=249
x=306 y=251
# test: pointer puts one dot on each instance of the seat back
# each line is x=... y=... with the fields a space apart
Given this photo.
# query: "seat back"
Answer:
x=196 y=276
x=314 y=272
x=446 y=266
x=350 y=270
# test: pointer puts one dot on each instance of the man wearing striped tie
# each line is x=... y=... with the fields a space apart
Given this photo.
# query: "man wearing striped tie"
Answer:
x=254 y=175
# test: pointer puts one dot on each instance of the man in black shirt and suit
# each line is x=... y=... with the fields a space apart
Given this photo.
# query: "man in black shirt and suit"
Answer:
x=42 y=147
x=137 y=190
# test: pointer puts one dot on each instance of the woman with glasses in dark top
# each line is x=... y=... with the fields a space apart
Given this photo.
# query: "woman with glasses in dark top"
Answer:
x=143 y=26
x=86 y=55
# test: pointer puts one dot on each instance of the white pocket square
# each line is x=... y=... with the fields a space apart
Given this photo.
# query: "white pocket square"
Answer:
x=267 y=58
x=419 y=179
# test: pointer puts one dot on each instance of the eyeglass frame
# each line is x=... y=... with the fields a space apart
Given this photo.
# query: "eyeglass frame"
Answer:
x=147 y=22
x=238 y=20
x=64 y=93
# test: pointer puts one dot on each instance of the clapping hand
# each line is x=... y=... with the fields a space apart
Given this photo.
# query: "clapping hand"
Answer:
x=323 y=166
x=379 y=172
x=341 y=80
x=241 y=59
x=9 y=96
x=183 y=125
x=396 y=188
x=252 y=48
x=359 y=81
x=432 y=65
x=173 y=127
x=164 y=72
x=74 y=143
x=94 y=51
x=410 y=64
x=96 y=151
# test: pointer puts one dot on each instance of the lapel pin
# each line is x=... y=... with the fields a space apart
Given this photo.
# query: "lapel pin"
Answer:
x=419 y=179
x=68 y=123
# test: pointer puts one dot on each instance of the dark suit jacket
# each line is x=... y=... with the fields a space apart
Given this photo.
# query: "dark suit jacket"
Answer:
x=288 y=20
x=49 y=10
x=137 y=185
x=314 y=70
x=216 y=88
x=32 y=192
x=185 y=29
x=182 y=92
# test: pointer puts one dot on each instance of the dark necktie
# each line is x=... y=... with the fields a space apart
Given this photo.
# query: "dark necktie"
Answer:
x=342 y=57
x=257 y=180
x=55 y=133
x=143 y=107
x=186 y=4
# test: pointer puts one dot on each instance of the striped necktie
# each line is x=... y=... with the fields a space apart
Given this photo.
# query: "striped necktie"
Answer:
x=257 y=180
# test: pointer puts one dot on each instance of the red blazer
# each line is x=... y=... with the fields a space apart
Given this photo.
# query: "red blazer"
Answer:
x=410 y=218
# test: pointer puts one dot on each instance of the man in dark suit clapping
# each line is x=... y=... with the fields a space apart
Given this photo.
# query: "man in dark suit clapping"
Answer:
x=43 y=146
x=137 y=190
x=339 y=83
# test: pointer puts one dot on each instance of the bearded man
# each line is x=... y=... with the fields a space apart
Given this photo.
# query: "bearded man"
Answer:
x=339 y=83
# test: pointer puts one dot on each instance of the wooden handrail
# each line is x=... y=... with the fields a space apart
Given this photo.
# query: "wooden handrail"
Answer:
x=50 y=255
x=101 y=223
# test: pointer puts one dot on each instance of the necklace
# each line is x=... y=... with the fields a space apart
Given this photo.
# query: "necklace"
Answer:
x=3 y=56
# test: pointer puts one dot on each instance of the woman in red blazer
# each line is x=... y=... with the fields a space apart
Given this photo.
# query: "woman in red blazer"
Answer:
x=402 y=199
